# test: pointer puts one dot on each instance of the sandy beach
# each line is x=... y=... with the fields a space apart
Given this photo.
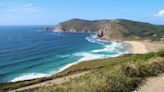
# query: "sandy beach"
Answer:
x=137 y=47
x=142 y=47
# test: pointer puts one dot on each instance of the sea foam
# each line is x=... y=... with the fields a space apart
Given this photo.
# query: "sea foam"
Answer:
x=89 y=56
x=110 y=47
x=85 y=56
x=94 y=39
x=29 y=76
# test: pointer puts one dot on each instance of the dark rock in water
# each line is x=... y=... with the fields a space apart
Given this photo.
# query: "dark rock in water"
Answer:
x=99 y=33
x=118 y=29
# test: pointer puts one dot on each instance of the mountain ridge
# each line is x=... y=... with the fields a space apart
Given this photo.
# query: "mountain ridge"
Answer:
x=117 y=29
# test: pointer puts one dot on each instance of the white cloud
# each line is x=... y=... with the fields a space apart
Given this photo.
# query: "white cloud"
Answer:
x=6 y=3
x=28 y=8
x=160 y=13
x=11 y=6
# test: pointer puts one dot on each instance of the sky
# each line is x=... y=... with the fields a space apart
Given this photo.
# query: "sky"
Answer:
x=51 y=12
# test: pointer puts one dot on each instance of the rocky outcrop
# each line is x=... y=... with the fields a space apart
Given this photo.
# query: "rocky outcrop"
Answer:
x=118 y=29
x=58 y=28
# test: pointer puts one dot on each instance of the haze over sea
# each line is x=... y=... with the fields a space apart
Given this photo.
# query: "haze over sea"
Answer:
x=27 y=53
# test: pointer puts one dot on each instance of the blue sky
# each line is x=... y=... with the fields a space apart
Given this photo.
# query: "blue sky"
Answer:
x=51 y=12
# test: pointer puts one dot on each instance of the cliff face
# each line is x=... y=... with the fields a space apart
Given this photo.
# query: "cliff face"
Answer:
x=114 y=29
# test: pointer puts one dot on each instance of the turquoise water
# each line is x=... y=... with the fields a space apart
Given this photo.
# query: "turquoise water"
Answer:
x=27 y=53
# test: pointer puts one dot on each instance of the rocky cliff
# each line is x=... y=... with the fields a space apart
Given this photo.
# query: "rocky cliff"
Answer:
x=118 y=29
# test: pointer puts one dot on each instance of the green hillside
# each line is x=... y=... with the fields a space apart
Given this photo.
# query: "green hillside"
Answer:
x=121 y=74
x=142 y=30
x=118 y=29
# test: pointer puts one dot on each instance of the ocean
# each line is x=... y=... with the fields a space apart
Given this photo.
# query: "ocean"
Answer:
x=26 y=52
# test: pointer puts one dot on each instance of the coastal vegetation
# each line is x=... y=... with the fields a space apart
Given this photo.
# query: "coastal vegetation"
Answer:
x=120 y=74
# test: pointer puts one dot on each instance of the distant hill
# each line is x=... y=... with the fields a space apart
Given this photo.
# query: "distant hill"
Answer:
x=118 y=29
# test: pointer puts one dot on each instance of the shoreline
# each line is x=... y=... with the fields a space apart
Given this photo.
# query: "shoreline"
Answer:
x=25 y=78
x=137 y=47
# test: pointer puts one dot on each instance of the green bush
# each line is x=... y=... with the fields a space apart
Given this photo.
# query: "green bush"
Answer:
x=121 y=83
x=152 y=67
x=160 y=54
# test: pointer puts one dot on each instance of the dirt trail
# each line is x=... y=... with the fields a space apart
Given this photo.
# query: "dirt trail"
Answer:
x=155 y=84
x=52 y=82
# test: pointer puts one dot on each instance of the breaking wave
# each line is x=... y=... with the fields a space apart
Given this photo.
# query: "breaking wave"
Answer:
x=109 y=49
x=29 y=76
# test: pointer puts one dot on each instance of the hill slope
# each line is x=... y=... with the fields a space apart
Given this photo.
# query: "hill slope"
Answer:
x=118 y=29
x=121 y=74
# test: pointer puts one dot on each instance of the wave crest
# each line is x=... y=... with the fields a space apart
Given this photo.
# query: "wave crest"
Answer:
x=29 y=76
x=94 y=39
x=110 y=49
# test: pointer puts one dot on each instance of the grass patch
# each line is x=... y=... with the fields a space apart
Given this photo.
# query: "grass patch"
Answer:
x=121 y=74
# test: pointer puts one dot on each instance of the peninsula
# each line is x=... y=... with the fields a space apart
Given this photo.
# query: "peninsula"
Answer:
x=116 y=30
x=141 y=36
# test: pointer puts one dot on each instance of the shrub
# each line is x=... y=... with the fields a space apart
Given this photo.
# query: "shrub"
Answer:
x=121 y=83
x=160 y=53
x=151 y=68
